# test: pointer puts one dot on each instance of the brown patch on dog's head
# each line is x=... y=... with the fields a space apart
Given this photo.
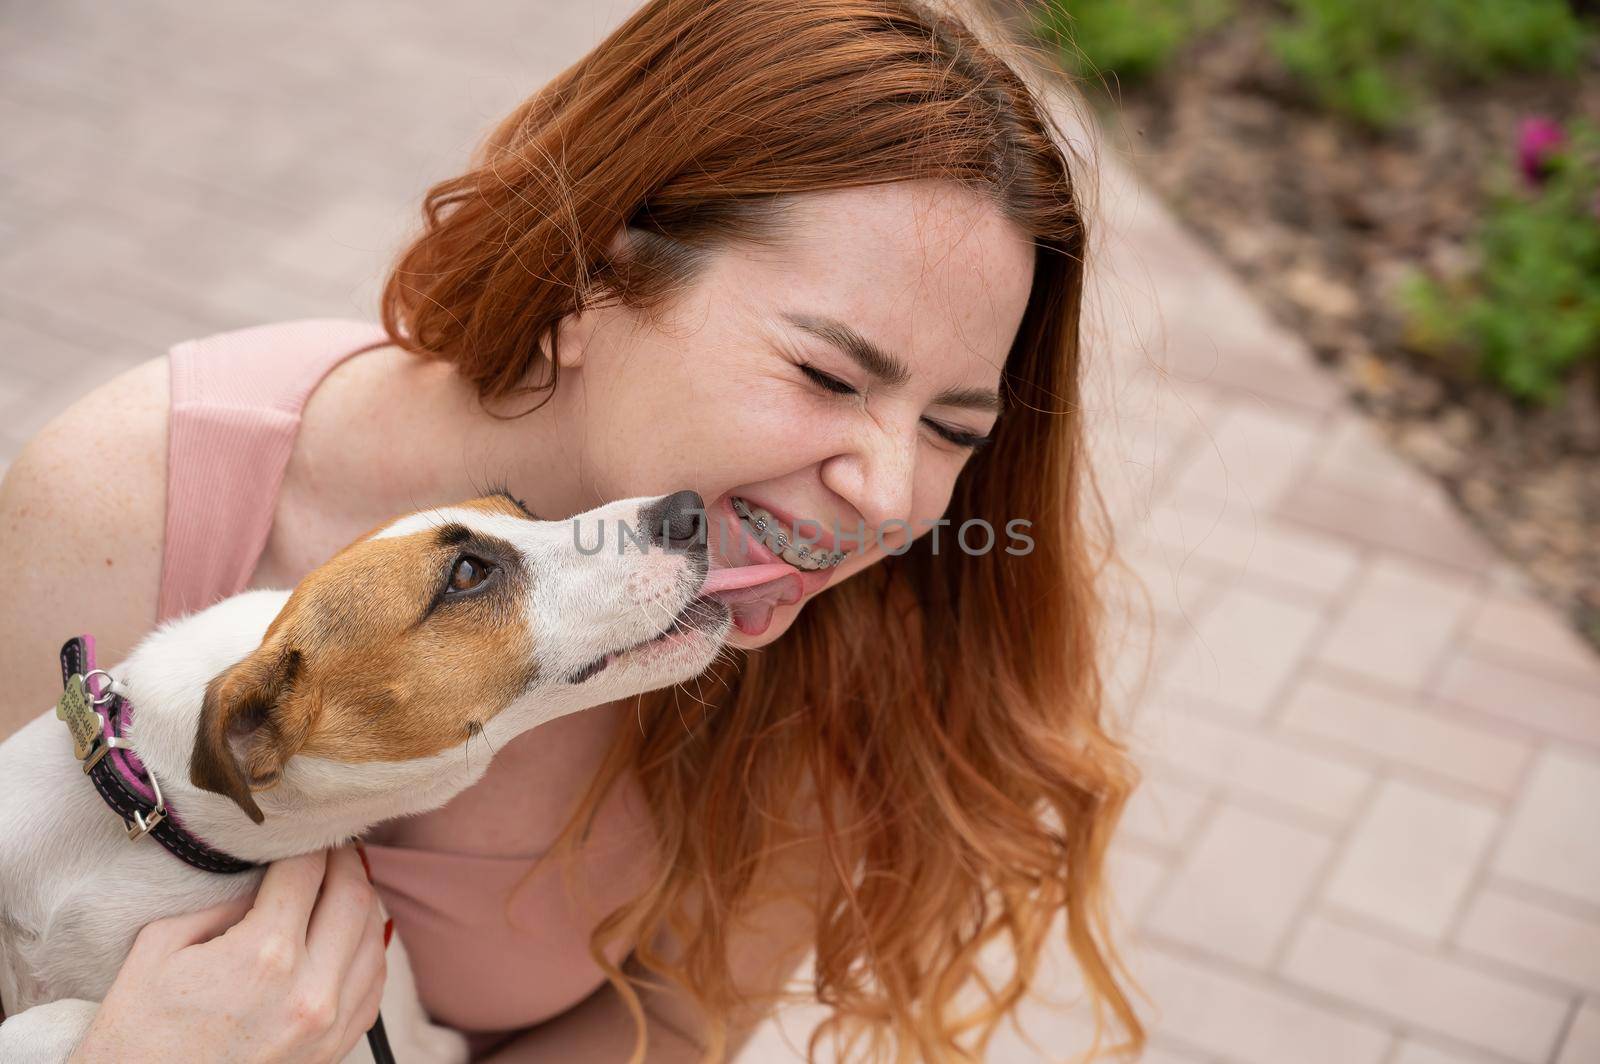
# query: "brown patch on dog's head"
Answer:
x=390 y=651
x=502 y=502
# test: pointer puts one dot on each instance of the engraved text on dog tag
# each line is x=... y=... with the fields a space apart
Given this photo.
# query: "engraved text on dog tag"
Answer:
x=76 y=709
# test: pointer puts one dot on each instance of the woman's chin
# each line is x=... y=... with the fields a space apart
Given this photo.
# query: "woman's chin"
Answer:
x=779 y=622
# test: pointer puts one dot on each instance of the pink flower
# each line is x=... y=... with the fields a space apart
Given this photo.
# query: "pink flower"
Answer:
x=1538 y=139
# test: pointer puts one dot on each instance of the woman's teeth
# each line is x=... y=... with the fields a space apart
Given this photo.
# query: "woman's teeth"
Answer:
x=780 y=539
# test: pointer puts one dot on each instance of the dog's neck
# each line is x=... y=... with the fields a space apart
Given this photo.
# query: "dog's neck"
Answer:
x=318 y=803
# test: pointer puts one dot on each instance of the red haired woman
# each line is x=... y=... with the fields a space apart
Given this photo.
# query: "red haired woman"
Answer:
x=821 y=262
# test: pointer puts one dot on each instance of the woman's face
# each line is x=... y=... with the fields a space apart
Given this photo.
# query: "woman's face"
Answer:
x=746 y=389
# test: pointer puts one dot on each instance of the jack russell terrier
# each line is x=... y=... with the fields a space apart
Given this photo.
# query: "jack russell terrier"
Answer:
x=277 y=723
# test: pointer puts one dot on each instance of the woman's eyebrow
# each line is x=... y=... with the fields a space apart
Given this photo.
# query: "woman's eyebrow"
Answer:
x=873 y=360
x=971 y=398
x=880 y=364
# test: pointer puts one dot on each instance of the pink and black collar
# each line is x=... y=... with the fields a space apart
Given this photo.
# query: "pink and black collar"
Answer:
x=121 y=778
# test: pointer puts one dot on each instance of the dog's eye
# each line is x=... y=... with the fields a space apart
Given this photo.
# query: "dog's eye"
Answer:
x=468 y=573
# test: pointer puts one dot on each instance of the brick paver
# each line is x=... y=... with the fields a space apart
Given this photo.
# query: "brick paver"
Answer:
x=1374 y=756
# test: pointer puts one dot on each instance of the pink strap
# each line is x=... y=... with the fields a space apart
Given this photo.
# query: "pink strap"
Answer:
x=124 y=761
x=237 y=399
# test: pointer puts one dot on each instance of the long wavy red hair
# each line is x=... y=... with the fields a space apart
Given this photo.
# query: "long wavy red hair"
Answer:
x=950 y=704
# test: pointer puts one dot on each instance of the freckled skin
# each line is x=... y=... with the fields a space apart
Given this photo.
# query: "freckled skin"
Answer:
x=710 y=395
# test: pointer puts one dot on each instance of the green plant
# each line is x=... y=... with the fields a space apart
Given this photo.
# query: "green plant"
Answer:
x=1372 y=60
x=1531 y=308
x=1129 y=38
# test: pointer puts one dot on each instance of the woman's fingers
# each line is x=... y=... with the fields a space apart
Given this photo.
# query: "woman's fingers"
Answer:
x=315 y=948
x=361 y=1020
x=343 y=913
x=361 y=990
x=345 y=946
x=259 y=987
x=191 y=929
x=288 y=893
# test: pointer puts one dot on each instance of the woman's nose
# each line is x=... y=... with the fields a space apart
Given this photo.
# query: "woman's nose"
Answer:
x=877 y=477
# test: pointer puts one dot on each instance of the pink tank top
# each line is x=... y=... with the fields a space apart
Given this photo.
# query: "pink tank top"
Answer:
x=236 y=403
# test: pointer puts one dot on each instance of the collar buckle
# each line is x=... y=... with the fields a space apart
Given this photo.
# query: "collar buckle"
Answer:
x=144 y=823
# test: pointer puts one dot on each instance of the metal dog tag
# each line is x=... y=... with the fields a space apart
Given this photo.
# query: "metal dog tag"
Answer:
x=77 y=710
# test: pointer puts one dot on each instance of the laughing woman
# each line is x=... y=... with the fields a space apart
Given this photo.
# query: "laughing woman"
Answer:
x=821 y=262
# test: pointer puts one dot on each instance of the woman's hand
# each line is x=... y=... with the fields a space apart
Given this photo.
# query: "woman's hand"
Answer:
x=297 y=976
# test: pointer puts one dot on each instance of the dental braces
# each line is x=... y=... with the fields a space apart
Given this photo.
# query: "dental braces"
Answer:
x=829 y=559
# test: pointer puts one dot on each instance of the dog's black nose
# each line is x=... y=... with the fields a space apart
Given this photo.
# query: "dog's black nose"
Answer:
x=676 y=520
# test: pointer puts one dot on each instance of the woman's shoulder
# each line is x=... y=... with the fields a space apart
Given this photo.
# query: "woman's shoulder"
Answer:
x=82 y=509
x=273 y=366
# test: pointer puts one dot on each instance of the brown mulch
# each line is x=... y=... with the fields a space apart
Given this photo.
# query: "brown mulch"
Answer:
x=1321 y=220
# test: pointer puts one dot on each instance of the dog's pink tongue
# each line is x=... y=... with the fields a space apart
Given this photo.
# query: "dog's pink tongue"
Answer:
x=744 y=576
x=752 y=592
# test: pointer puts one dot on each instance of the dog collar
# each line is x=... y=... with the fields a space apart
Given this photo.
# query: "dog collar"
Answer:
x=98 y=715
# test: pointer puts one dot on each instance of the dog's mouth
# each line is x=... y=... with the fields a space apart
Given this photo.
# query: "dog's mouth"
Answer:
x=701 y=613
x=725 y=595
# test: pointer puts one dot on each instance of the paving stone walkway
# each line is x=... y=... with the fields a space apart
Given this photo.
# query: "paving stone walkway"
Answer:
x=1369 y=834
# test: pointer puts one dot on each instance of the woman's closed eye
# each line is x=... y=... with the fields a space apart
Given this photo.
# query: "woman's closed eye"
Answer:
x=959 y=437
x=826 y=380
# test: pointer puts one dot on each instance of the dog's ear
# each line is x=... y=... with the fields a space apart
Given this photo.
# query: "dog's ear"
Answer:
x=248 y=726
